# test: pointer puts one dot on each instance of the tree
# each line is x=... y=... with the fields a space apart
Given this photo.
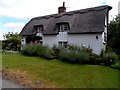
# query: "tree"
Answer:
x=12 y=41
x=114 y=34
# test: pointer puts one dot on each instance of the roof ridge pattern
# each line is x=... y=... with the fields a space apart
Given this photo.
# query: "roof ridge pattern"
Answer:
x=81 y=11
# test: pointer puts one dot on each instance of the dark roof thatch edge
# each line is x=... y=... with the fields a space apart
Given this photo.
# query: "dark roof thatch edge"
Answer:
x=81 y=11
x=23 y=33
x=24 y=27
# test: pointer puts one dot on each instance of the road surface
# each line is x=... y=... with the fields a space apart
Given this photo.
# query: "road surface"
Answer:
x=8 y=84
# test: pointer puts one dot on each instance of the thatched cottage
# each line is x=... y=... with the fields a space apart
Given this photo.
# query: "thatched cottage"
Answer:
x=86 y=27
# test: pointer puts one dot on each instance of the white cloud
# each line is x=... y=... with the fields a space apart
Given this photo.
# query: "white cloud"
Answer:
x=114 y=10
x=119 y=7
x=16 y=27
x=32 y=8
x=11 y=27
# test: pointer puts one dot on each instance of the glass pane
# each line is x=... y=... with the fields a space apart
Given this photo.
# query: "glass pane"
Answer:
x=60 y=43
x=39 y=29
x=66 y=27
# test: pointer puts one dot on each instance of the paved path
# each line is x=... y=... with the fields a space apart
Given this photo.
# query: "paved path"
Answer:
x=8 y=84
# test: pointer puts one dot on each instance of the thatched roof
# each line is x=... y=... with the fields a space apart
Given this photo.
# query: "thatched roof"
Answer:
x=90 y=20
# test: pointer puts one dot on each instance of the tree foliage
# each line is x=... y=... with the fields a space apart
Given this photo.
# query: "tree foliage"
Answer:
x=114 y=34
x=12 y=41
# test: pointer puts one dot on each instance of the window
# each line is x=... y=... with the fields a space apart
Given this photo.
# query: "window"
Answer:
x=105 y=37
x=39 y=28
x=39 y=41
x=63 y=26
x=22 y=40
x=63 y=43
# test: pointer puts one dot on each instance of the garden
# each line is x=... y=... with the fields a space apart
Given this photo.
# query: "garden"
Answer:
x=73 y=55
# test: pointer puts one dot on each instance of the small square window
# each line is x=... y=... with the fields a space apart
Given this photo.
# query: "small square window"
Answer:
x=63 y=27
x=63 y=44
x=39 y=28
x=22 y=40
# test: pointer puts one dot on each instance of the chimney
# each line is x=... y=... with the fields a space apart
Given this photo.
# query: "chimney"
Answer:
x=62 y=9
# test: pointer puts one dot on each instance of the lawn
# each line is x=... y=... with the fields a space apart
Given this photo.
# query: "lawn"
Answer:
x=62 y=74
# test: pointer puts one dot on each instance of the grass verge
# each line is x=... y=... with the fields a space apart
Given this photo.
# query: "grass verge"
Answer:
x=59 y=74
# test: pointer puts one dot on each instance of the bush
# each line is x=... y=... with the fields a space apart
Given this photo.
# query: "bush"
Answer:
x=45 y=52
x=82 y=57
x=73 y=56
x=48 y=53
x=56 y=51
x=116 y=65
x=95 y=59
x=67 y=56
x=86 y=50
x=38 y=50
x=110 y=58
x=30 y=50
x=41 y=51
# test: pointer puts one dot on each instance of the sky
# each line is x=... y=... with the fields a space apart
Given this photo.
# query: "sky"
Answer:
x=14 y=14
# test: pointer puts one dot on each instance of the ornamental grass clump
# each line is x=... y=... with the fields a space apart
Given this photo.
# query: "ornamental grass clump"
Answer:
x=73 y=55
x=30 y=49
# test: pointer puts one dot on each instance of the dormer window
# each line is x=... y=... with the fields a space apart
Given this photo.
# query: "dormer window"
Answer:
x=63 y=27
x=39 y=28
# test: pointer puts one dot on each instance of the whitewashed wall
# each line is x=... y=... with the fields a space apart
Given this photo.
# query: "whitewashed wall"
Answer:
x=103 y=35
x=76 y=39
x=23 y=41
x=87 y=40
x=50 y=40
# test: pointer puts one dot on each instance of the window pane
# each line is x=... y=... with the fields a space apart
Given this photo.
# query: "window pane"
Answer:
x=63 y=44
x=63 y=27
x=39 y=28
x=66 y=27
x=60 y=43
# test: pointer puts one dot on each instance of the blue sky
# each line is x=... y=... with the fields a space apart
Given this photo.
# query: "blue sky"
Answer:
x=14 y=14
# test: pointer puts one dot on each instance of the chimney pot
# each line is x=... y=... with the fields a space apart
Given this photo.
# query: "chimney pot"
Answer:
x=62 y=9
x=63 y=4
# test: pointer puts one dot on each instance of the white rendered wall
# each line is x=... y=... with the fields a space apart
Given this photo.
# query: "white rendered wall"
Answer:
x=23 y=41
x=105 y=31
x=87 y=40
x=51 y=40
x=76 y=39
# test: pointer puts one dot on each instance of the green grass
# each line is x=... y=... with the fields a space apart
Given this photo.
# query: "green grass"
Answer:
x=63 y=74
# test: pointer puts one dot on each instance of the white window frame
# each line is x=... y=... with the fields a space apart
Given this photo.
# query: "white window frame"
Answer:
x=39 y=29
x=105 y=37
x=63 y=43
x=64 y=28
